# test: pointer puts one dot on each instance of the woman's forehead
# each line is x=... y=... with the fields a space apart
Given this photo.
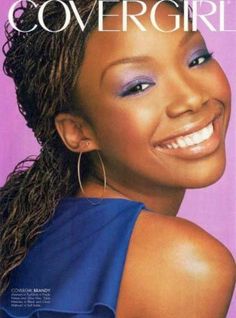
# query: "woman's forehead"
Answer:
x=109 y=46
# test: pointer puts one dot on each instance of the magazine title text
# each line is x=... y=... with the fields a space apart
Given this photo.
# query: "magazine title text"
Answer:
x=70 y=8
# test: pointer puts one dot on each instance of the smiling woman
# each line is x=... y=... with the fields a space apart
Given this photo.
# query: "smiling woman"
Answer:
x=92 y=224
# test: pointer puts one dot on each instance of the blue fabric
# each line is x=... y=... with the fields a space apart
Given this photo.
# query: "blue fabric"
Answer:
x=79 y=257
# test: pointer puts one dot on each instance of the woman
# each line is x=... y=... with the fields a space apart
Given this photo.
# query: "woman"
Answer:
x=135 y=116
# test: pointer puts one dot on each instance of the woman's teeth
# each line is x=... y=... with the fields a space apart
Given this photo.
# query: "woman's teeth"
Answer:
x=191 y=139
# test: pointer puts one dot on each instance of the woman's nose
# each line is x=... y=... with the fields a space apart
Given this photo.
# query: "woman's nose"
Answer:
x=187 y=97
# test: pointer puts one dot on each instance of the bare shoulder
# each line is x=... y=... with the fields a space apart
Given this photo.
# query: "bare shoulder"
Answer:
x=174 y=268
x=175 y=234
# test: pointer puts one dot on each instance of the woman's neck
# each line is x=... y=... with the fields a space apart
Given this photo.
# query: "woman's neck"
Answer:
x=163 y=200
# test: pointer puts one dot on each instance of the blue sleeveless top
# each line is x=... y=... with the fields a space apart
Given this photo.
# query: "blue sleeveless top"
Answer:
x=74 y=268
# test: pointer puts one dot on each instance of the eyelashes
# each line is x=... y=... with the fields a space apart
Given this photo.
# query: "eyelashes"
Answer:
x=136 y=87
x=140 y=85
x=201 y=59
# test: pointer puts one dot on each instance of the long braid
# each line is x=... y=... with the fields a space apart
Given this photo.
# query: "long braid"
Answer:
x=33 y=186
x=44 y=68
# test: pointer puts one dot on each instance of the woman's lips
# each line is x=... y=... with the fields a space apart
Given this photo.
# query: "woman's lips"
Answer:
x=182 y=148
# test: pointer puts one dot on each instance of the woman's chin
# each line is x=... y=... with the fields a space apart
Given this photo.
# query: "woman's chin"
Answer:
x=207 y=177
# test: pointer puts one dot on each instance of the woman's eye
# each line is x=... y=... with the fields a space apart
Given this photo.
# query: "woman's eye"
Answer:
x=201 y=59
x=136 y=89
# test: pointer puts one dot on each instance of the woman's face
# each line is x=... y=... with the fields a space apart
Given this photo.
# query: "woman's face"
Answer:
x=158 y=103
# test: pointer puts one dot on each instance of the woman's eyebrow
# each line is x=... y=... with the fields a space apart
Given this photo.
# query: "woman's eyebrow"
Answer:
x=126 y=60
x=188 y=36
x=144 y=58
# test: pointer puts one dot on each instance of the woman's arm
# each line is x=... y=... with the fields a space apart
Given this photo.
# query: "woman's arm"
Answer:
x=176 y=269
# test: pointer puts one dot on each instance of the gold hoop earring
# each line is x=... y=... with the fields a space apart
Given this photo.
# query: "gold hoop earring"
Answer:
x=104 y=177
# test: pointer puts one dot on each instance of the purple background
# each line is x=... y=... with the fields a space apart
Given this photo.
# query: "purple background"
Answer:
x=213 y=208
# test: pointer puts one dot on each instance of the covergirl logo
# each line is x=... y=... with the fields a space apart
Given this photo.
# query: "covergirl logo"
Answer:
x=70 y=9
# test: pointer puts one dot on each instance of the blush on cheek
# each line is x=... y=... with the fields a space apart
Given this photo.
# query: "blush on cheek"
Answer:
x=123 y=132
x=143 y=122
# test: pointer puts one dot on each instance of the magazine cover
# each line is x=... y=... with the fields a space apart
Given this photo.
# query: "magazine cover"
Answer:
x=118 y=158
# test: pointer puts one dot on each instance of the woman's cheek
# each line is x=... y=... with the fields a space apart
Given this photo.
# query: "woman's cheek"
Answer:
x=217 y=83
x=131 y=115
x=126 y=130
x=221 y=90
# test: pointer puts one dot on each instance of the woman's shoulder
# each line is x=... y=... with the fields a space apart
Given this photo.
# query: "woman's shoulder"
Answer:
x=158 y=227
x=175 y=268
x=168 y=235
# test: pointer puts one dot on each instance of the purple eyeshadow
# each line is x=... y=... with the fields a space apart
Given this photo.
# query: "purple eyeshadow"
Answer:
x=133 y=82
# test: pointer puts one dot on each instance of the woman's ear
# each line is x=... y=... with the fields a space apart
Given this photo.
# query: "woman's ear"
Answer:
x=76 y=133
